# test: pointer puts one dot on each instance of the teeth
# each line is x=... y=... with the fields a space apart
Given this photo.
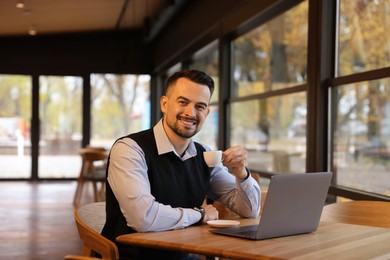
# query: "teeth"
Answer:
x=188 y=122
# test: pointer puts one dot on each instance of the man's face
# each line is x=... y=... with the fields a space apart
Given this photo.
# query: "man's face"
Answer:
x=185 y=107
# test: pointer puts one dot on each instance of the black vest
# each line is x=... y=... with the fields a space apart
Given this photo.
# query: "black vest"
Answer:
x=172 y=181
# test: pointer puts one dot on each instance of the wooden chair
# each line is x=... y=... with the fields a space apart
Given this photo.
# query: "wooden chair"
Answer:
x=367 y=213
x=90 y=220
x=92 y=171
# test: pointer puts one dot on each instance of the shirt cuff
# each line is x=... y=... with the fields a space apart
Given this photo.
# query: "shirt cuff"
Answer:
x=193 y=216
x=248 y=174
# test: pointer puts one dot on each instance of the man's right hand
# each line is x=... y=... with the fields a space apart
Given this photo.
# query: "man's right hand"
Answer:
x=211 y=213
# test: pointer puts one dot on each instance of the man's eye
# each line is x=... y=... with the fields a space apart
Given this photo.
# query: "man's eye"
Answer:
x=201 y=108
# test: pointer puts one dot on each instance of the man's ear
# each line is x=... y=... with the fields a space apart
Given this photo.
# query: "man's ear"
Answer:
x=163 y=103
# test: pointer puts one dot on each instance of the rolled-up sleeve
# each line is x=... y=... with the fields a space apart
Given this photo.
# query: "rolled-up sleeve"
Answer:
x=242 y=197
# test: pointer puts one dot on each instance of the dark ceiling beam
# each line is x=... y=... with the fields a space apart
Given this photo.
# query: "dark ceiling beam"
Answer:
x=154 y=25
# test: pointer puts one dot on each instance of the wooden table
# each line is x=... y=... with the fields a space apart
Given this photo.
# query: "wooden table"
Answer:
x=330 y=241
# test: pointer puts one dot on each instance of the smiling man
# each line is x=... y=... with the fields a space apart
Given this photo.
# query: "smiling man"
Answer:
x=157 y=179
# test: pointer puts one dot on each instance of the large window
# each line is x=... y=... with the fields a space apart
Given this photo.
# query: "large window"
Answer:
x=362 y=136
x=275 y=141
x=361 y=102
x=272 y=126
x=15 y=117
x=60 y=114
x=272 y=56
x=120 y=105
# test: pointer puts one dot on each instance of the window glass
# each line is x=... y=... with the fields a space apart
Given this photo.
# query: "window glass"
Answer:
x=120 y=105
x=15 y=116
x=362 y=136
x=206 y=60
x=273 y=131
x=364 y=36
x=274 y=55
x=60 y=113
x=209 y=133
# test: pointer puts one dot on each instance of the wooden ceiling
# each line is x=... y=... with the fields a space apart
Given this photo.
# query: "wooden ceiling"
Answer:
x=74 y=16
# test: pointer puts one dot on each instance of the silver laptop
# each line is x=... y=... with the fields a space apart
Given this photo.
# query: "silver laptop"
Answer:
x=293 y=206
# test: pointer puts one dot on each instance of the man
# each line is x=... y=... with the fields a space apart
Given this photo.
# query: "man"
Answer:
x=157 y=179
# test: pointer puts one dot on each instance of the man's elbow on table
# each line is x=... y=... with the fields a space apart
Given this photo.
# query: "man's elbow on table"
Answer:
x=140 y=220
x=251 y=214
x=251 y=211
x=140 y=225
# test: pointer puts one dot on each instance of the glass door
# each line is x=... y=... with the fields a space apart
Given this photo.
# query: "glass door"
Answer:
x=15 y=117
x=60 y=113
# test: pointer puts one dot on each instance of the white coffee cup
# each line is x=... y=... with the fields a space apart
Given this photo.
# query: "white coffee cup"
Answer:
x=213 y=158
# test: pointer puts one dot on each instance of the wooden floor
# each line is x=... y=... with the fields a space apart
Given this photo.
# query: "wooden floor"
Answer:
x=37 y=220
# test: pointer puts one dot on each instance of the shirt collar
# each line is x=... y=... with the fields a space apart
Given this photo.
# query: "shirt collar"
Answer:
x=164 y=145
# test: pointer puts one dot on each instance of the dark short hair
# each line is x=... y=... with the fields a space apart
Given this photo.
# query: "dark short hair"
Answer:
x=196 y=76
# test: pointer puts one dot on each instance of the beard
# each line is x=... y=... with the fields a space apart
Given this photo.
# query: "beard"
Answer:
x=183 y=131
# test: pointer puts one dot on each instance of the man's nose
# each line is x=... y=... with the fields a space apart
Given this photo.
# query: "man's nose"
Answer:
x=190 y=110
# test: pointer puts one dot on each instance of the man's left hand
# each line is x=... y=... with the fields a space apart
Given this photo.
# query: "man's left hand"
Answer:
x=235 y=159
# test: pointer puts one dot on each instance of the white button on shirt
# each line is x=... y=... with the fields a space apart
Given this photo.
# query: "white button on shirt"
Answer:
x=128 y=179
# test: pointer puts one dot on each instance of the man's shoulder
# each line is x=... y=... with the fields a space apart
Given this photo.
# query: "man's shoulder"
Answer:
x=134 y=137
x=142 y=133
x=144 y=139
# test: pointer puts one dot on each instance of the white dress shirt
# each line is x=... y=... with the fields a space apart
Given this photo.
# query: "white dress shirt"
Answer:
x=128 y=179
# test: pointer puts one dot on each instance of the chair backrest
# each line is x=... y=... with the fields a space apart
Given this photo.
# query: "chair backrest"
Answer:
x=90 y=220
x=101 y=148
x=92 y=159
x=367 y=213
